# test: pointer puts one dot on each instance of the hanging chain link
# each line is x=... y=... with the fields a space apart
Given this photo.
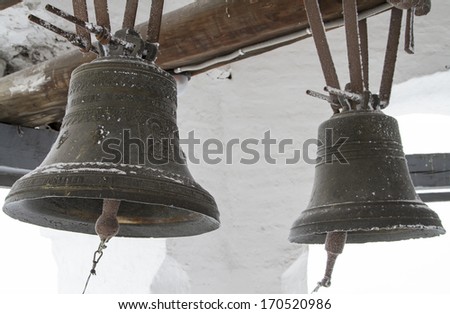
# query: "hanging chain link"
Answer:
x=97 y=256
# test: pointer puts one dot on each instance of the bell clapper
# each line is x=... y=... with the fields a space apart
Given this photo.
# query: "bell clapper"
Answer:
x=106 y=226
x=334 y=245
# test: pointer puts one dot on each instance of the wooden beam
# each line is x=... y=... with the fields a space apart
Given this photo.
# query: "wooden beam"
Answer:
x=197 y=33
x=430 y=174
x=21 y=150
x=7 y=3
x=429 y=170
x=437 y=196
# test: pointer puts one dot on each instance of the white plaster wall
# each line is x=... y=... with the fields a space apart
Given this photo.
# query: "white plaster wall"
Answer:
x=258 y=203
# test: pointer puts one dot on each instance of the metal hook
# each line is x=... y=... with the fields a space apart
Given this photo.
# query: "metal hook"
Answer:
x=97 y=256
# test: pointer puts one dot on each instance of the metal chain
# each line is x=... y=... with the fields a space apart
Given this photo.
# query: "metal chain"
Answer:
x=97 y=256
x=409 y=31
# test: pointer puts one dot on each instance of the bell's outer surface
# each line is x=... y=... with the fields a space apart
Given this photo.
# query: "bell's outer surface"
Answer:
x=372 y=196
x=119 y=101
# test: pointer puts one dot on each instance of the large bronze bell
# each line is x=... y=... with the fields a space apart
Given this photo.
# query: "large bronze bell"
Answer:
x=126 y=105
x=369 y=194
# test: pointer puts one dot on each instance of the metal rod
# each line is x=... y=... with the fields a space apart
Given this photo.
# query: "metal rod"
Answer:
x=154 y=23
x=102 y=14
x=101 y=33
x=353 y=46
x=364 y=39
x=409 y=32
x=323 y=49
x=390 y=57
x=67 y=16
x=129 y=18
x=318 y=95
x=71 y=37
x=348 y=95
x=80 y=11
x=98 y=31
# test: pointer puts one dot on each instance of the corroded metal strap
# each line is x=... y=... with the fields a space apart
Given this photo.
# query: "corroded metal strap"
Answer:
x=390 y=57
x=353 y=46
x=129 y=18
x=409 y=32
x=102 y=14
x=80 y=11
x=154 y=23
x=323 y=49
x=364 y=39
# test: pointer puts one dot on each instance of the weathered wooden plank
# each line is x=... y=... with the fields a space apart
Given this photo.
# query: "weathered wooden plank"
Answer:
x=7 y=3
x=430 y=174
x=21 y=150
x=429 y=170
x=196 y=33
x=441 y=196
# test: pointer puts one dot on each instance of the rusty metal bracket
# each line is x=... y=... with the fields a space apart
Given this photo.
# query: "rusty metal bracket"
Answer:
x=153 y=30
x=154 y=23
x=323 y=49
x=356 y=94
x=409 y=31
x=129 y=18
x=80 y=11
x=364 y=41
x=353 y=46
x=102 y=14
x=390 y=57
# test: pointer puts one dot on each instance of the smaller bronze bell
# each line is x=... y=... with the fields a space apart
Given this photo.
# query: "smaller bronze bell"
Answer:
x=370 y=194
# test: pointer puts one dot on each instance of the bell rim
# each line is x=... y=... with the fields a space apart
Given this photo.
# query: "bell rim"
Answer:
x=379 y=234
x=202 y=223
x=414 y=220
x=188 y=198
